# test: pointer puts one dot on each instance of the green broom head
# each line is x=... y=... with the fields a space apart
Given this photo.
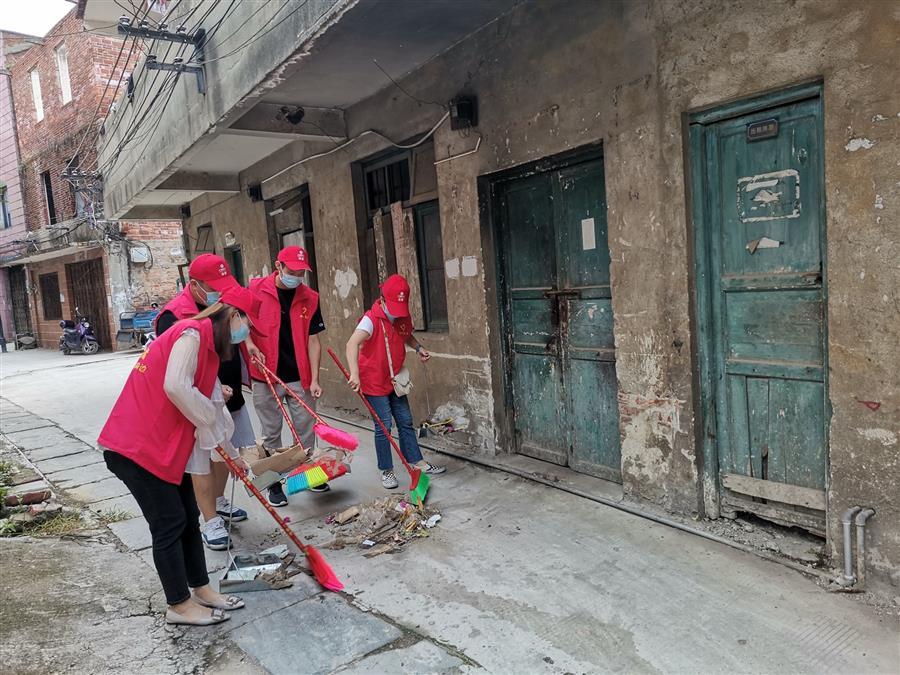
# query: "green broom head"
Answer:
x=419 y=487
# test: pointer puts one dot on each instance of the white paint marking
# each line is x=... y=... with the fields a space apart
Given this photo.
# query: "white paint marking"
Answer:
x=879 y=202
x=451 y=267
x=883 y=436
x=469 y=266
x=588 y=235
x=345 y=281
x=855 y=144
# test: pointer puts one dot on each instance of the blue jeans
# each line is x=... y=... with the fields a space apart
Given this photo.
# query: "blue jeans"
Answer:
x=398 y=406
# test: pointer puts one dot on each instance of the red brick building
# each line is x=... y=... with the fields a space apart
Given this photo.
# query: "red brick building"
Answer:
x=62 y=87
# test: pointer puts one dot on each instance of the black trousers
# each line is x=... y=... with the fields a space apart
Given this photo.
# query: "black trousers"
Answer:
x=172 y=513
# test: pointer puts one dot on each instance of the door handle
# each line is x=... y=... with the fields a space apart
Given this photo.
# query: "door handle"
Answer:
x=554 y=338
x=812 y=278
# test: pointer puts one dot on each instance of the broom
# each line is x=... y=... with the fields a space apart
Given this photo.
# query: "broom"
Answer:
x=320 y=568
x=326 y=433
x=419 y=481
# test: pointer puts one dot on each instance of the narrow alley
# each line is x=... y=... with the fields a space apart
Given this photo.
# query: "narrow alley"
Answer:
x=516 y=578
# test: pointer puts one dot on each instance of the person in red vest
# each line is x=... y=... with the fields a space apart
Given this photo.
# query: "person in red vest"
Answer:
x=291 y=319
x=166 y=406
x=376 y=352
x=210 y=276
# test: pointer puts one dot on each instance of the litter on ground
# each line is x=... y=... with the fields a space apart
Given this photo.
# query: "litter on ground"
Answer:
x=381 y=526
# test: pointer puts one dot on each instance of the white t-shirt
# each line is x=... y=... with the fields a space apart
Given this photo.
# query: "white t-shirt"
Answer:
x=366 y=326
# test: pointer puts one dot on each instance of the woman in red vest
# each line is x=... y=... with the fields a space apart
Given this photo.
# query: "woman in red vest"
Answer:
x=165 y=408
x=376 y=352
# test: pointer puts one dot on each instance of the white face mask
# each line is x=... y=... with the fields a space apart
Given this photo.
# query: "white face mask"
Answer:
x=390 y=316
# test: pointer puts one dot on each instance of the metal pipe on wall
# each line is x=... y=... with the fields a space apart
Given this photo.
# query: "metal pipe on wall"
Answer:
x=848 y=578
x=861 y=519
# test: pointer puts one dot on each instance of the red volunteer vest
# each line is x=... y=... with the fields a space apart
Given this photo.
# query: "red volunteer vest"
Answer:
x=304 y=306
x=183 y=306
x=144 y=425
x=374 y=373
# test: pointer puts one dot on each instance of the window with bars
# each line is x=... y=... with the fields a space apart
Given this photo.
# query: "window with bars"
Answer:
x=407 y=177
x=50 y=301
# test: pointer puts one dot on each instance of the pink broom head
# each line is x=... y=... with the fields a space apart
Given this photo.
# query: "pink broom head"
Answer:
x=336 y=437
x=322 y=570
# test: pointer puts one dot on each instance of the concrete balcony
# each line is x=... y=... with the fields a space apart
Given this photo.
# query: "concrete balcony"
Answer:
x=276 y=75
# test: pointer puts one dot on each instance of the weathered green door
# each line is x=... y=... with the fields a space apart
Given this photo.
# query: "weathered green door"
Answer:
x=560 y=348
x=764 y=238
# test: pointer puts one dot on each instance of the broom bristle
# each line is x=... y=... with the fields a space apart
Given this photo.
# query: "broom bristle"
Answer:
x=419 y=486
x=322 y=570
x=336 y=437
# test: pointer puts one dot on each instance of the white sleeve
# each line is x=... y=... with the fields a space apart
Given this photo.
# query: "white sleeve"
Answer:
x=207 y=437
x=365 y=325
x=179 y=381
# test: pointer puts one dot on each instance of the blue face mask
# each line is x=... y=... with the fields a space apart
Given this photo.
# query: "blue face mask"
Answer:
x=212 y=297
x=241 y=334
x=290 y=280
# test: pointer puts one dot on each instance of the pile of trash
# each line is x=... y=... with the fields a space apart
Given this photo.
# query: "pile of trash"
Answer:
x=382 y=526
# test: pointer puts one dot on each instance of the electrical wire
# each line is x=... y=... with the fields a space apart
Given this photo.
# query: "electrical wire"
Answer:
x=375 y=132
x=400 y=87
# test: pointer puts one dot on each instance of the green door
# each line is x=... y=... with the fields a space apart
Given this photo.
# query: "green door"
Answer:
x=560 y=349
x=763 y=230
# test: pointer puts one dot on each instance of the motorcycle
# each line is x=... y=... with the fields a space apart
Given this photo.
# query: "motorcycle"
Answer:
x=78 y=336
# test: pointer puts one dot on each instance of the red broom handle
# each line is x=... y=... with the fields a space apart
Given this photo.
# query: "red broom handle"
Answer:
x=237 y=471
x=287 y=418
x=268 y=373
x=372 y=412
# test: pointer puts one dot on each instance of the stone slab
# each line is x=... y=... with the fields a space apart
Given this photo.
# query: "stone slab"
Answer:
x=422 y=657
x=134 y=533
x=37 y=438
x=95 y=492
x=29 y=487
x=261 y=603
x=83 y=458
x=79 y=475
x=70 y=446
x=314 y=636
x=124 y=503
x=23 y=423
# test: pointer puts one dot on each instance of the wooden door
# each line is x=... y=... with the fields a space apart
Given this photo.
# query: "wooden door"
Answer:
x=558 y=317
x=764 y=223
x=87 y=291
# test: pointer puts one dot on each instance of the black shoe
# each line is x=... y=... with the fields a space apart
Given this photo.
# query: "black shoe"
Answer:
x=324 y=487
x=276 y=495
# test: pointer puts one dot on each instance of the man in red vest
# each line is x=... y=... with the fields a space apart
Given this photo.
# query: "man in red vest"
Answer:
x=290 y=318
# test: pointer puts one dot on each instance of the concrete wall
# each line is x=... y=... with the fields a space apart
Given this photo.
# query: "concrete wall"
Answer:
x=553 y=76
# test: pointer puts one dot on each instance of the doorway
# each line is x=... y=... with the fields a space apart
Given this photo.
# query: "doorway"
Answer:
x=550 y=222
x=760 y=244
x=88 y=293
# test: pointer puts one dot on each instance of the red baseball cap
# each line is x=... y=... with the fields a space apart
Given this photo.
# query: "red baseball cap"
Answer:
x=295 y=258
x=395 y=291
x=212 y=270
x=240 y=298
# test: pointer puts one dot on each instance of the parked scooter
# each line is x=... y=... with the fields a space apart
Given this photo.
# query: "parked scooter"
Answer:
x=77 y=336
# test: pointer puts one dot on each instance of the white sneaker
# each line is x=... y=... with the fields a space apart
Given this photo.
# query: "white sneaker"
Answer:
x=389 y=480
x=214 y=534
x=229 y=512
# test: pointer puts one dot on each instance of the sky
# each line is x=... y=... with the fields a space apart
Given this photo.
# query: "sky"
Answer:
x=32 y=17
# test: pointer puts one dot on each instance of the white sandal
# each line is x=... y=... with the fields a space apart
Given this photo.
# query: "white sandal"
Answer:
x=216 y=616
x=231 y=602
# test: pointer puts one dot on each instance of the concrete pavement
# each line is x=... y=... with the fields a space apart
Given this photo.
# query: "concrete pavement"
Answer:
x=517 y=578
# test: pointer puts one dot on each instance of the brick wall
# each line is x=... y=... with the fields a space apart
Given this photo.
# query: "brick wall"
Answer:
x=47 y=331
x=157 y=280
x=49 y=144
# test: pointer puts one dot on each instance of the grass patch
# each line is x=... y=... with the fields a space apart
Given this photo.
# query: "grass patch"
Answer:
x=7 y=471
x=61 y=525
x=108 y=516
